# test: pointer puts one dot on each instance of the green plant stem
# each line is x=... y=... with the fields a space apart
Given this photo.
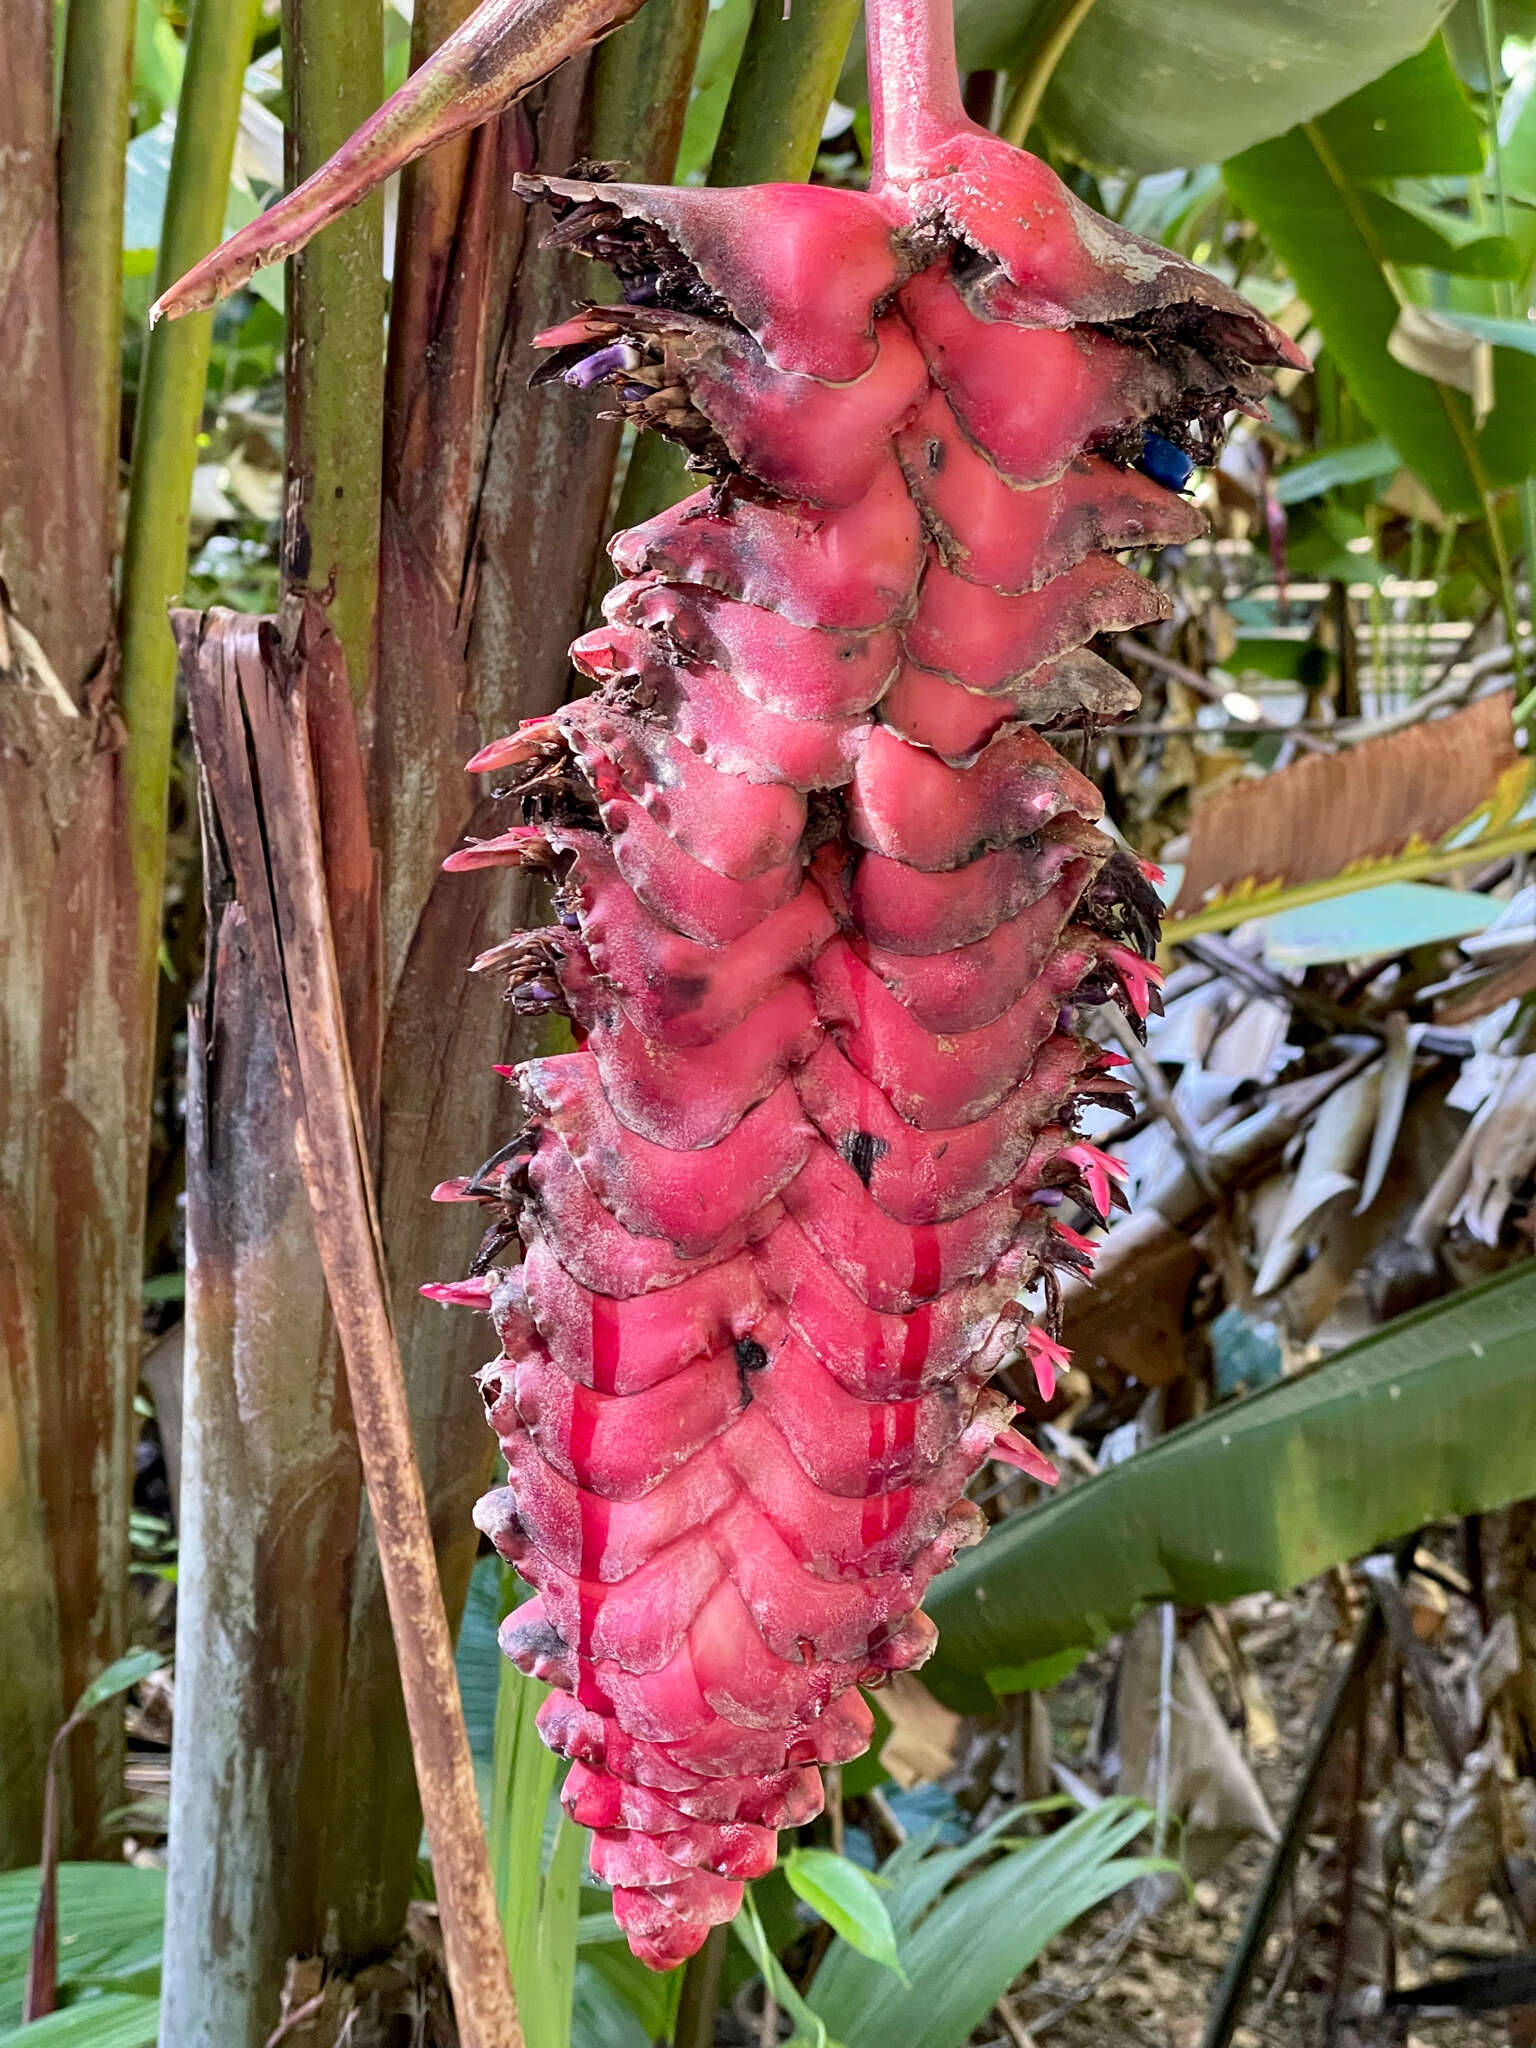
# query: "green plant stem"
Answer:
x=782 y=89
x=1049 y=46
x=165 y=446
x=638 y=105
x=333 y=66
x=770 y=133
x=93 y=138
x=701 y=1993
x=1503 y=291
x=1451 y=403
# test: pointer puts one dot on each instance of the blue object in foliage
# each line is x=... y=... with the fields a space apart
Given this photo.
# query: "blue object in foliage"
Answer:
x=1165 y=463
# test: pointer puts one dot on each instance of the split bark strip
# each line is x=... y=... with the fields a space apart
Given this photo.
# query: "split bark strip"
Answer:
x=259 y=796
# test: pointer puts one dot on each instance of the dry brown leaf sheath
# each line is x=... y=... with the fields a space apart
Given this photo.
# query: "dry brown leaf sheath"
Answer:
x=246 y=683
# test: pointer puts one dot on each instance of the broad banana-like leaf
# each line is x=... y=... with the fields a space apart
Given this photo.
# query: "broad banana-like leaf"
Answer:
x=1312 y=191
x=116 y=2020
x=1153 y=85
x=1427 y=1419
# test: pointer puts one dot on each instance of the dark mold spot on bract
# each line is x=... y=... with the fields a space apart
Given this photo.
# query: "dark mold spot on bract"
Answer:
x=863 y=1152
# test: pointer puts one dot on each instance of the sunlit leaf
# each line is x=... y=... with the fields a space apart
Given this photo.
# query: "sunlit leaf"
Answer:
x=1372 y=922
x=969 y=1926
x=848 y=1899
x=1410 y=1426
x=1151 y=84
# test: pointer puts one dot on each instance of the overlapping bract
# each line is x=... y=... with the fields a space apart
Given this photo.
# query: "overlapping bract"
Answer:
x=828 y=905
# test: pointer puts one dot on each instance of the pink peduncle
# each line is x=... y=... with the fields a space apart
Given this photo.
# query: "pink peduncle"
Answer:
x=914 y=86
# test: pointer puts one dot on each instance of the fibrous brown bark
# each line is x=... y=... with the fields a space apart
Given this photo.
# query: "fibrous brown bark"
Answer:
x=71 y=1113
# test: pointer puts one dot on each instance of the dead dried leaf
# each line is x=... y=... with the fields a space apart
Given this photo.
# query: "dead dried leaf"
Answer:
x=1328 y=1168
x=1133 y=1321
x=1335 y=813
x=923 y=1737
x=1462 y=1859
x=1211 y=1789
x=1502 y=1157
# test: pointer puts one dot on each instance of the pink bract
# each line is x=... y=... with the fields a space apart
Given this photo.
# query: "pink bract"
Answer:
x=828 y=908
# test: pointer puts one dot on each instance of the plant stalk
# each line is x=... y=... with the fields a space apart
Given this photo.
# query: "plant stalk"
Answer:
x=165 y=448
x=1034 y=75
x=93 y=139
x=333 y=70
x=701 y=1993
x=914 y=85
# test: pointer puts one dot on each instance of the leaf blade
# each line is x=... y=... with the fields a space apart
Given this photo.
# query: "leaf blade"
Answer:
x=1409 y=1426
x=846 y=1898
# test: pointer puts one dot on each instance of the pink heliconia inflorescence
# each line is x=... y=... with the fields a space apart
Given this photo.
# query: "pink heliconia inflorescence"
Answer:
x=828 y=909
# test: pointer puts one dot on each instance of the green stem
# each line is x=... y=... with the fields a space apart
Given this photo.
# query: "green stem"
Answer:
x=700 y=1997
x=1450 y=402
x=1504 y=292
x=93 y=138
x=639 y=90
x=771 y=130
x=333 y=66
x=783 y=86
x=165 y=443
x=1049 y=46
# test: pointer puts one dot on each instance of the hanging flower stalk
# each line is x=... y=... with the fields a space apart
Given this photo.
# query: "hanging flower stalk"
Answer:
x=828 y=909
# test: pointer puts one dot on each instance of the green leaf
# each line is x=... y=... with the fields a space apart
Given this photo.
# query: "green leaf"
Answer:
x=725 y=31
x=1415 y=1424
x=119 y=1675
x=1431 y=238
x=1307 y=192
x=111 y=1924
x=748 y=1929
x=536 y=1852
x=1038 y=1676
x=847 y=1899
x=616 y=1995
x=1360 y=464
x=965 y=1942
x=1152 y=85
x=158 y=63
x=1517 y=154
x=1519 y=335
x=1416 y=121
x=114 y=2021
x=1371 y=922
x=479 y=1660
